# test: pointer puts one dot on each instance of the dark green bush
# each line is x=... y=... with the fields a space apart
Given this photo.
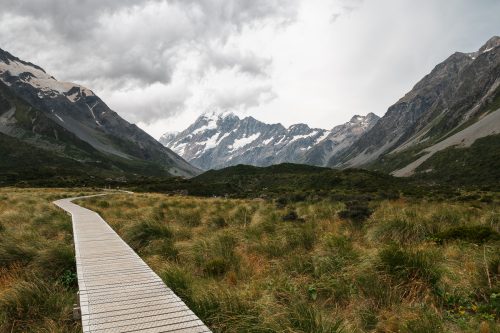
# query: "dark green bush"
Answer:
x=356 y=211
x=290 y=216
x=217 y=221
x=475 y=234
x=69 y=279
x=281 y=202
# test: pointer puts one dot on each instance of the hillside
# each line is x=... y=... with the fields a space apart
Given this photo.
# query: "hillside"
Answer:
x=452 y=107
x=287 y=180
x=71 y=122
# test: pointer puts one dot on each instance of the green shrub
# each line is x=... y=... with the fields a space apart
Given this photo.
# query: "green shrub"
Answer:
x=217 y=221
x=475 y=234
x=281 y=202
x=292 y=216
x=69 y=279
x=356 y=211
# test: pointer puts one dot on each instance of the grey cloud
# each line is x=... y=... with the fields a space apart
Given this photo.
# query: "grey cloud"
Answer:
x=248 y=63
x=143 y=53
x=133 y=43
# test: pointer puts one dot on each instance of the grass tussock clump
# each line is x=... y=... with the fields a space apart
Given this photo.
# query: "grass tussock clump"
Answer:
x=141 y=234
x=216 y=256
x=336 y=264
x=408 y=265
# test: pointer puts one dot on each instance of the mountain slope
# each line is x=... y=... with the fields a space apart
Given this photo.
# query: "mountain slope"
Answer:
x=71 y=121
x=454 y=105
x=215 y=141
x=341 y=137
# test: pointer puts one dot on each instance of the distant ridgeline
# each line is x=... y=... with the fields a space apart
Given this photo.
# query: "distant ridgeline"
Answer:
x=446 y=128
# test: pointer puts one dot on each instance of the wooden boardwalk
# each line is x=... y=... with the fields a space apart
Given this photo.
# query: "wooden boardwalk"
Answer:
x=118 y=291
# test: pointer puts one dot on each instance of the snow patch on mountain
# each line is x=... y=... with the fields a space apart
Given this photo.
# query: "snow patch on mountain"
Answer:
x=243 y=142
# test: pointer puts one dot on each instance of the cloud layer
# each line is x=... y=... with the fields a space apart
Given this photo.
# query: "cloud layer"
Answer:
x=160 y=63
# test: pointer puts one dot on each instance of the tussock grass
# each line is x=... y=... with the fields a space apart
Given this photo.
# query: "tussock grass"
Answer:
x=377 y=267
x=37 y=266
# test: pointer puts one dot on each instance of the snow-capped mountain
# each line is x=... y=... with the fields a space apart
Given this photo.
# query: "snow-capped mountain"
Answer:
x=217 y=140
x=72 y=122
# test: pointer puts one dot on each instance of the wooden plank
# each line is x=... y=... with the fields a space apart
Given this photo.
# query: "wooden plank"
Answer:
x=118 y=291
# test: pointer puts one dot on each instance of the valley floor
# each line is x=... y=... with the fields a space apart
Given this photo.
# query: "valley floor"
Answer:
x=267 y=266
x=402 y=265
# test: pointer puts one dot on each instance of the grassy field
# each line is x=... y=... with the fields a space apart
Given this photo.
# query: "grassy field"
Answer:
x=37 y=267
x=400 y=265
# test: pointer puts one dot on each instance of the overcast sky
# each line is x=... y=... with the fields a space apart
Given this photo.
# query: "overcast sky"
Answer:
x=162 y=63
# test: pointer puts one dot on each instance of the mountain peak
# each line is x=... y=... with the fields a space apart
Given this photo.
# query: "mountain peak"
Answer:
x=215 y=115
x=7 y=58
x=368 y=118
x=356 y=119
x=490 y=44
x=14 y=71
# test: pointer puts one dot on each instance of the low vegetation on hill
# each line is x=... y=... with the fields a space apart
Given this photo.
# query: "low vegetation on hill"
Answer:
x=37 y=265
x=295 y=182
x=275 y=265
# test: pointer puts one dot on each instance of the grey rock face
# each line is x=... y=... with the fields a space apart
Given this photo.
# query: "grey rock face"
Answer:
x=219 y=140
x=449 y=98
x=79 y=111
